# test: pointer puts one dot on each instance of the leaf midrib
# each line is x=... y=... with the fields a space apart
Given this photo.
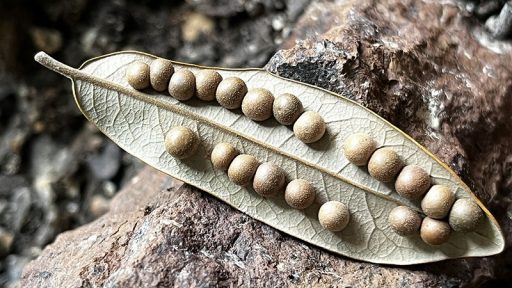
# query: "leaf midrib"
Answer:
x=79 y=75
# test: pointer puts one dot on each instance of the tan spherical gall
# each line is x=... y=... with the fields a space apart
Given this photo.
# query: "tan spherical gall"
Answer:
x=207 y=82
x=309 y=127
x=384 y=165
x=160 y=73
x=181 y=142
x=404 y=221
x=222 y=155
x=299 y=194
x=358 y=148
x=137 y=75
x=412 y=182
x=182 y=85
x=257 y=104
x=287 y=108
x=465 y=215
x=269 y=179
x=437 y=202
x=334 y=216
x=231 y=92
x=434 y=232
x=242 y=169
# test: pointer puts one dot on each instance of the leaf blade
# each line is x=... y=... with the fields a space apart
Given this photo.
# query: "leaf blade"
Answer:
x=368 y=237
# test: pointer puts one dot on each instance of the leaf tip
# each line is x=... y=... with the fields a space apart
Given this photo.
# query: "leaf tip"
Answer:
x=52 y=64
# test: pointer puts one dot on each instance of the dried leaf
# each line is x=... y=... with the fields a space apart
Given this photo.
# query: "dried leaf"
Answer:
x=137 y=121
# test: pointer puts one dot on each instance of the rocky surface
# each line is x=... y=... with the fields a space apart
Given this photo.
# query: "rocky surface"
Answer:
x=429 y=68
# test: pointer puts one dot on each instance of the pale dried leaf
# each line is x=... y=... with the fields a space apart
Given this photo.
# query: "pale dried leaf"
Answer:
x=138 y=121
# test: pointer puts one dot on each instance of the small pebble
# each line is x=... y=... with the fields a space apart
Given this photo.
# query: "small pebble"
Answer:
x=412 y=182
x=404 y=221
x=99 y=205
x=334 y=216
x=207 y=82
x=434 y=232
x=287 y=108
x=6 y=241
x=257 y=104
x=222 y=155
x=358 y=148
x=242 y=169
x=465 y=215
x=299 y=194
x=269 y=179
x=137 y=75
x=160 y=73
x=437 y=202
x=309 y=127
x=182 y=85
x=181 y=142
x=384 y=165
x=231 y=92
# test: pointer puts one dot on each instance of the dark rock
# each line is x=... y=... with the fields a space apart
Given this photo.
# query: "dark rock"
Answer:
x=226 y=8
x=396 y=63
x=47 y=40
x=9 y=183
x=221 y=8
x=496 y=14
x=20 y=205
x=14 y=265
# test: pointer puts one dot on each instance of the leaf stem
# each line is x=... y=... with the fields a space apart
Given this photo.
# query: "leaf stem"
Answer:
x=52 y=64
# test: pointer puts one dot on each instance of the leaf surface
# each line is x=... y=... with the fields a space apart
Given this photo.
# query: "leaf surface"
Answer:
x=138 y=121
